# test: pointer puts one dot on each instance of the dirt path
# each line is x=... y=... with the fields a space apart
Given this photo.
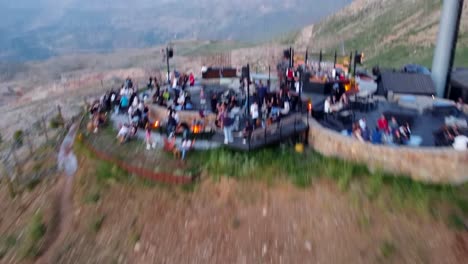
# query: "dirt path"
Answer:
x=62 y=216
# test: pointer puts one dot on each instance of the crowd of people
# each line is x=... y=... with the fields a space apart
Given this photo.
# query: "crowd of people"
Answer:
x=385 y=132
x=262 y=108
x=180 y=98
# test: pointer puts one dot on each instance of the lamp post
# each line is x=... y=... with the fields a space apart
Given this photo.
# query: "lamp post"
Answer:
x=350 y=65
x=320 y=60
x=334 y=62
x=248 y=90
x=301 y=83
x=169 y=54
x=355 y=64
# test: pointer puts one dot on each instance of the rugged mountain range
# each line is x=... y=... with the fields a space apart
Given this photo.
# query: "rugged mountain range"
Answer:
x=390 y=32
x=39 y=29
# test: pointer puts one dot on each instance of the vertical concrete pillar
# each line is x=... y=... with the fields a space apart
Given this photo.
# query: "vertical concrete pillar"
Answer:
x=446 y=43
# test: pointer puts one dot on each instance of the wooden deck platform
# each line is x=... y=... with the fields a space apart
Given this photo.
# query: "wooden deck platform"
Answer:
x=287 y=128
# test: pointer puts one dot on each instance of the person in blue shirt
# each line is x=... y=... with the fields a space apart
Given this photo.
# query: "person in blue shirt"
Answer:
x=124 y=103
x=376 y=137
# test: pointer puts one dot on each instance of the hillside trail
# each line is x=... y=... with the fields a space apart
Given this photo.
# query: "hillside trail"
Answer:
x=67 y=162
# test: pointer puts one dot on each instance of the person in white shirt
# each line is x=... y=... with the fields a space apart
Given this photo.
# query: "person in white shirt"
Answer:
x=327 y=106
x=254 y=112
x=123 y=133
x=285 y=109
x=460 y=143
x=362 y=124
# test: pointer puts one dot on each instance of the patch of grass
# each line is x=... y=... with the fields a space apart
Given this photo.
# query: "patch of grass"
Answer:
x=374 y=185
x=96 y=223
x=135 y=237
x=387 y=249
x=190 y=188
x=106 y=171
x=33 y=183
x=18 y=137
x=35 y=232
x=456 y=222
x=364 y=221
x=6 y=244
x=274 y=164
x=57 y=121
x=93 y=197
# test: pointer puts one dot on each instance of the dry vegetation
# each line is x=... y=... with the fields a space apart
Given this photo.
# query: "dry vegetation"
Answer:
x=118 y=218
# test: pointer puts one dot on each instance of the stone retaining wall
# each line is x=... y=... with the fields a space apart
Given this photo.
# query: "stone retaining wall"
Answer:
x=431 y=165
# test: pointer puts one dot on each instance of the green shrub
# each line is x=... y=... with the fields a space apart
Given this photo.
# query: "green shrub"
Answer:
x=33 y=183
x=35 y=231
x=6 y=244
x=96 y=223
x=387 y=249
x=57 y=122
x=456 y=222
x=18 y=137
x=93 y=197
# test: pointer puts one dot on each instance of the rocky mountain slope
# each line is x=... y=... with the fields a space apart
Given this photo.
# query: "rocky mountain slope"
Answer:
x=389 y=32
x=40 y=29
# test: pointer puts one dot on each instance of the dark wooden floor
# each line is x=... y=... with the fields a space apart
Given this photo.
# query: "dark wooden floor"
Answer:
x=263 y=138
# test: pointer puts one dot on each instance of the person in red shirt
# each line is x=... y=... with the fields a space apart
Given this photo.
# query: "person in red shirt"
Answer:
x=382 y=123
x=192 y=79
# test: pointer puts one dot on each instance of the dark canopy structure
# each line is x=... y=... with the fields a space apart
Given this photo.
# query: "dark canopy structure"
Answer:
x=406 y=83
x=459 y=85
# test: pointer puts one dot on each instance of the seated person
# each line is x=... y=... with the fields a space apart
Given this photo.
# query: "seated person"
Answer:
x=327 y=106
x=460 y=143
x=393 y=126
x=344 y=100
x=397 y=138
x=170 y=143
x=460 y=105
x=285 y=110
x=357 y=133
x=377 y=137
x=382 y=124
x=449 y=134
x=185 y=147
x=330 y=107
x=188 y=105
x=405 y=132
x=123 y=133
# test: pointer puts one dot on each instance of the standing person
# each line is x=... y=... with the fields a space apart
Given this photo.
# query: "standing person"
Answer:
x=202 y=99
x=254 y=113
x=149 y=140
x=227 y=128
x=192 y=79
x=214 y=104
x=247 y=132
x=262 y=91
x=185 y=147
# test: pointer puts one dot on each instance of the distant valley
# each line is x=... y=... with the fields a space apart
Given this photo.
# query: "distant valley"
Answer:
x=40 y=29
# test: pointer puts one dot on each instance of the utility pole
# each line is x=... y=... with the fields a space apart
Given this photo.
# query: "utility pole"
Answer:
x=320 y=60
x=248 y=89
x=355 y=61
x=168 y=70
x=334 y=62
x=301 y=83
